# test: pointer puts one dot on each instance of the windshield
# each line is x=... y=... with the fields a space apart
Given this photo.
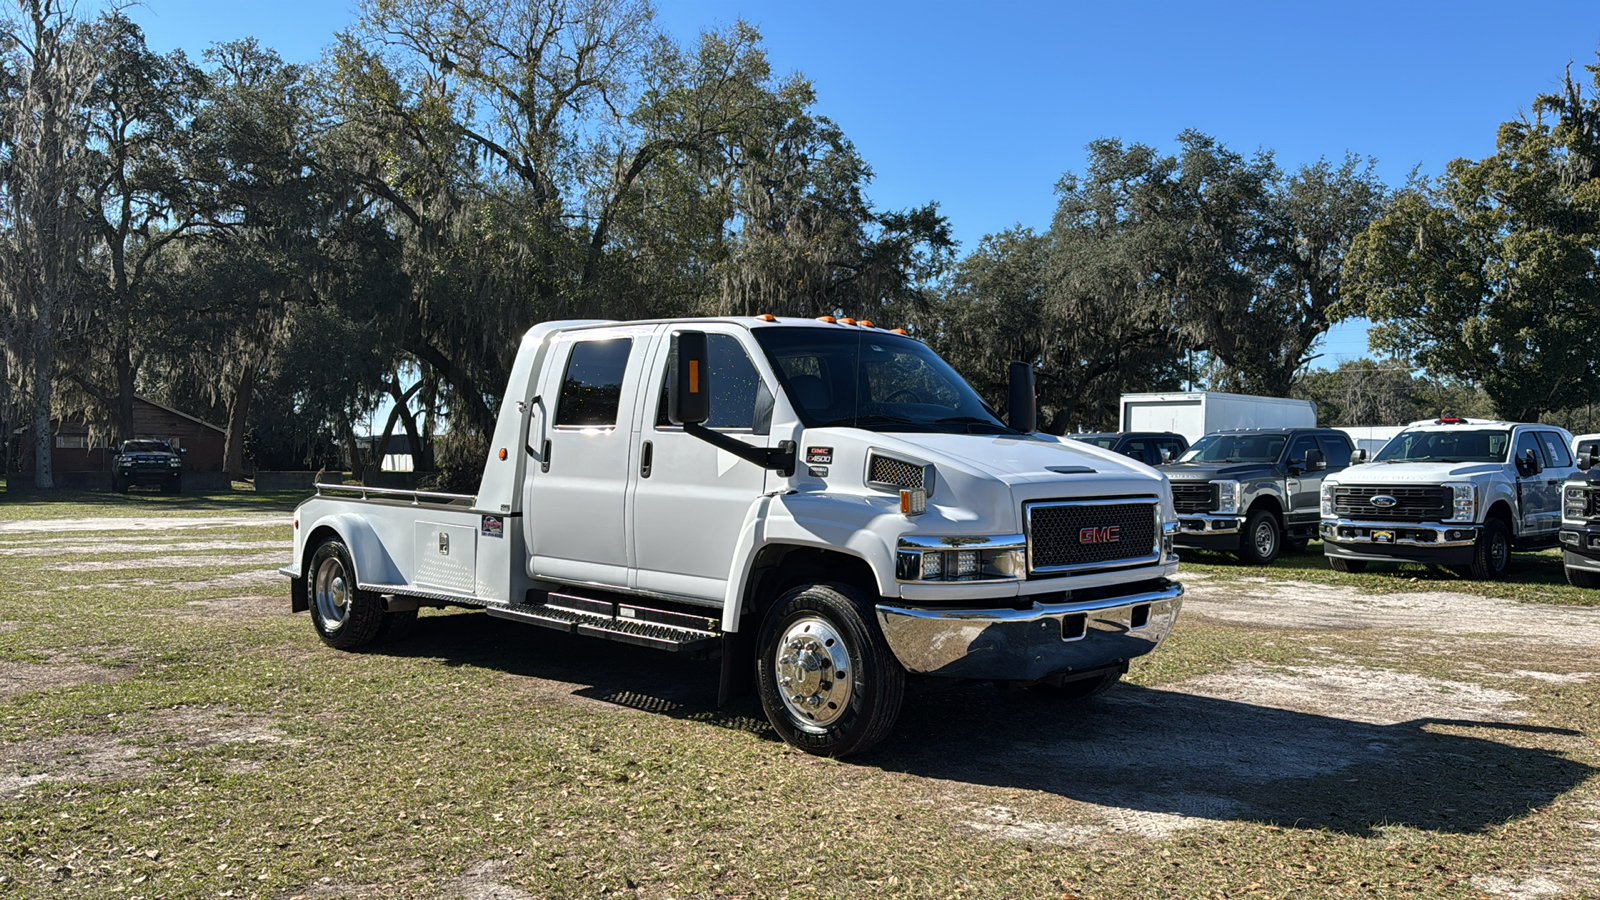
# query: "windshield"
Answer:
x=145 y=447
x=1263 y=448
x=1105 y=441
x=1446 y=446
x=864 y=378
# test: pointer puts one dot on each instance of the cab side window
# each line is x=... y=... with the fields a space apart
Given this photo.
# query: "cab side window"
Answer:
x=591 y=388
x=1299 y=446
x=1336 y=450
x=740 y=400
x=1525 y=442
x=1555 y=449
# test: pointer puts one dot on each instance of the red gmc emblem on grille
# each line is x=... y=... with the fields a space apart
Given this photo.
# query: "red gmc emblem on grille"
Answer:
x=1100 y=534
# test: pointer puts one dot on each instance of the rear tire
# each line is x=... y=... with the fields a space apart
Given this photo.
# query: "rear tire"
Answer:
x=1297 y=545
x=345 y=617
x=828 y=682
x=1492 y=554
x=1582 y=578
x=1262 y=539
x=1352 y=566
x=396 y=626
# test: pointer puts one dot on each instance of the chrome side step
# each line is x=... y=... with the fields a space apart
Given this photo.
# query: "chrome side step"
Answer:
x=617 y=621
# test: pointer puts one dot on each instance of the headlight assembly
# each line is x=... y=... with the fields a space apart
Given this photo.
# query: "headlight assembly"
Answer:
x=929 y=558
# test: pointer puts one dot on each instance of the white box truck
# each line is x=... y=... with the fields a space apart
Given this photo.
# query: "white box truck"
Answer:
x=1199 y=413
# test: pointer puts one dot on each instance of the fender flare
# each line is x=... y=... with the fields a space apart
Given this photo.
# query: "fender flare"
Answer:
x=371 y=559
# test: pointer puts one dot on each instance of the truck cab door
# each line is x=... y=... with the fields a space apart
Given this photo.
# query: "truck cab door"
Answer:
x=690 y=499
x=581 y=445
x=1304 y=487
x=1539 y=501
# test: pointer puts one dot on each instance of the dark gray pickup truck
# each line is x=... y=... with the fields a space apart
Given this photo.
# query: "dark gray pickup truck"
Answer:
x=147 y=461
x=1254 y=491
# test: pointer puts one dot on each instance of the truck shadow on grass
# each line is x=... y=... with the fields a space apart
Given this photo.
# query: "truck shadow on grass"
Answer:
x=1135 y=748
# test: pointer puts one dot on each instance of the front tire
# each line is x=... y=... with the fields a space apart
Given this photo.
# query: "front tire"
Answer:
x=1492 y=554
x=345 y=617
x=828 y=682
x=1262 y=539
x=1582 y=578
x=1352 y=566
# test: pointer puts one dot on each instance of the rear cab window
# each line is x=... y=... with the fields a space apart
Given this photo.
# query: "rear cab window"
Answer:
x=1336 y=450
x=1555 y=450
x=591 y=387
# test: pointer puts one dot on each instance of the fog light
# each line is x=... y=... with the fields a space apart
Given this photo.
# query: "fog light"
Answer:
x=1569 y=537
x=966 y=563
x=932 y=566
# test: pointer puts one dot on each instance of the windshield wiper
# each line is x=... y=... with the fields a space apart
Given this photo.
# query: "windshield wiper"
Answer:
x=975 y=420
x=868 y=421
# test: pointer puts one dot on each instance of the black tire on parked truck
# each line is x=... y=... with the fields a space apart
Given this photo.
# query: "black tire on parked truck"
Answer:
x=1262 y=538
x=345 y=617
x=1353 y=566
x=828 y=682
x=1582 y=578
x=395 y=626
x=1492 y=554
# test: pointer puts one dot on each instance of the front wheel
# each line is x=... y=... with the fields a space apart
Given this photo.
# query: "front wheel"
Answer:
x=828 y=682
x=1582 y=578
x=1353 y=566
x=344 y=616
x=1262 y=540
x=1493 y=553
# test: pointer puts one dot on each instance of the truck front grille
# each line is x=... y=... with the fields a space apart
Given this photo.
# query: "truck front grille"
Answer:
x=1074 y=536
x=1194 y=498
x=1412 y=504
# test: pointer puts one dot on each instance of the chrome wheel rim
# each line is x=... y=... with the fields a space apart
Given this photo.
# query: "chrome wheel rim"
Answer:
x=814 y=673
x=1266 y=539
x=332 y=591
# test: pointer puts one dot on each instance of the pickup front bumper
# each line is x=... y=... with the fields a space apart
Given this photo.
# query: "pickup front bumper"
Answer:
x=1423 y=542
x=1027 y=644
x=1209 y=531
x=1580 y=546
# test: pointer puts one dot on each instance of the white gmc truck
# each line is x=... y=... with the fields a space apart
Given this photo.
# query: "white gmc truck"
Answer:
x=1450 y=491
x=825 y=504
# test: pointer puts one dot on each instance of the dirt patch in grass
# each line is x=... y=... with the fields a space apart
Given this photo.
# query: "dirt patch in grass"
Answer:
x=77 y=547
x=163 y=523
x=1293 y=604
x=129 y=752
x=169 y=562
x=481 y=882
x=244 y=607
x=25 y=677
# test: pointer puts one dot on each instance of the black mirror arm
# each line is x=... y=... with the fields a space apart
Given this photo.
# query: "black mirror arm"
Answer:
x=780 y=460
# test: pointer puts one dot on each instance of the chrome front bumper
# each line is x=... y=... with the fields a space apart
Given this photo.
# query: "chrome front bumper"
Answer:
x=1205 y=524
x=1027 y=644
x=1426 y=535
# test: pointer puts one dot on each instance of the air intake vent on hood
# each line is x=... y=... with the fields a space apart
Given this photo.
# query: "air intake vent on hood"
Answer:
x=897 y=474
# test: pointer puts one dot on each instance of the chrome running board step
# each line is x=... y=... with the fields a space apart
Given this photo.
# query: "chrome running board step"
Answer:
x=617 y=621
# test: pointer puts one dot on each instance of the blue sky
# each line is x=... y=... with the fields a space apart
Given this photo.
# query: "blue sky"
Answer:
x=982 y=107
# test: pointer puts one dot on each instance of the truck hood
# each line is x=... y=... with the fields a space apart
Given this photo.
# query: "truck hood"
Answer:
x=1190 y=472
x=1416 y=473
x=1032 y=459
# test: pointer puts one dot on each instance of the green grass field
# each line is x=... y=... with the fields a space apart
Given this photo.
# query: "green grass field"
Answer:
x=169 y=729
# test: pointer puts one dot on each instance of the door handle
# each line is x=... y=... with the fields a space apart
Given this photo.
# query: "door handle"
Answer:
x=646 y=456
x=544 y=456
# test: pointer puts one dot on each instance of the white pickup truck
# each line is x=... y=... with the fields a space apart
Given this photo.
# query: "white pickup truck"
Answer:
x=825 y=504
x=1450 y=491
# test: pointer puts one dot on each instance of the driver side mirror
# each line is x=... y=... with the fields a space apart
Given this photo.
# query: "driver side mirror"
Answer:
x=1359 y=457
x=1166 y=455
x=1588 y=457
x=689 y=391
x=1315 y=462
x=1022 y=404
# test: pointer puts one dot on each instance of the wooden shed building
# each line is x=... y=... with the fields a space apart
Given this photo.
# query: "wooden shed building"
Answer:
x=83 y=460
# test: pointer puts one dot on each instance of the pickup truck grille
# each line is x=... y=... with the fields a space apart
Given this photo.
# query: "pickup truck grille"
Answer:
x=1194 y=498
x=1412 y=504
x=1067 y=536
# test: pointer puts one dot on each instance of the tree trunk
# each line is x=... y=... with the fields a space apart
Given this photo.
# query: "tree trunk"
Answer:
x=124 y=360
x=44 y=366
x=238 y=416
